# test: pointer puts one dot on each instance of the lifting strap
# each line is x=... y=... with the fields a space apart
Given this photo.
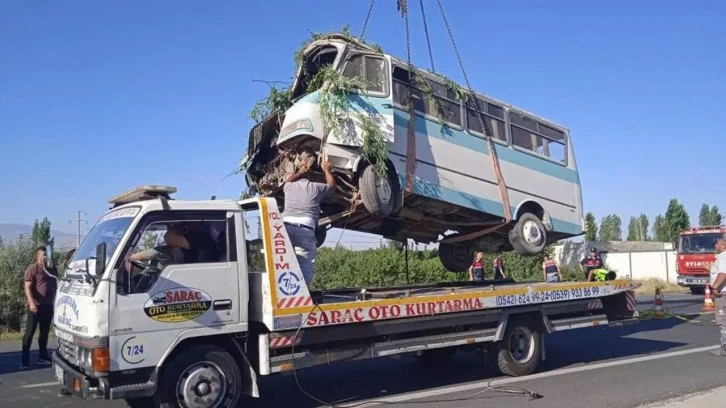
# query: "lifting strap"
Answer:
x=490 y=146
x=411 y=132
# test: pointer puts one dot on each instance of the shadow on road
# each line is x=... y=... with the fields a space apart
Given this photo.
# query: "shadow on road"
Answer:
x=10 y=362
x=387 y=377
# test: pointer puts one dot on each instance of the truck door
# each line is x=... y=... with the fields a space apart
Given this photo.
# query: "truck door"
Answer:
x=178 y=292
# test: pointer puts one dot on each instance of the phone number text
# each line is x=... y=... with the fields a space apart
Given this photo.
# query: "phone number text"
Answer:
x=548 y=296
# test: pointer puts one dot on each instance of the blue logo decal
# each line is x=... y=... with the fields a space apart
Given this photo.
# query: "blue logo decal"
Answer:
x=289 y=283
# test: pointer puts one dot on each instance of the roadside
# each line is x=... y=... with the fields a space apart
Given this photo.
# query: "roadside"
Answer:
x=708 y=399
x=648 y=287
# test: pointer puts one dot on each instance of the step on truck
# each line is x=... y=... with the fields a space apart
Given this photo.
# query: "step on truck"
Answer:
x=202 y=333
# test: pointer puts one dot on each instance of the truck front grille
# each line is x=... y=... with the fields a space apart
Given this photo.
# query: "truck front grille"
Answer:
x=70 y=352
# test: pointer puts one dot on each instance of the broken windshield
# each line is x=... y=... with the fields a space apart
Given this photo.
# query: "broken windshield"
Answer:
x=315 y=60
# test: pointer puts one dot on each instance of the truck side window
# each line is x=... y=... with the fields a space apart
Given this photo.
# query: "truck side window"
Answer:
x=172 y=239
x=253 y=237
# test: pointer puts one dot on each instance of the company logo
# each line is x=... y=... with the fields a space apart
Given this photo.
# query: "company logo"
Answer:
x=289 y=283
x=66 y=312
x=177 y=305
x=132 y=351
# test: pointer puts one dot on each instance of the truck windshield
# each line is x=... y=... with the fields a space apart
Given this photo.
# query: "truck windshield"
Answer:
x=699 y=243
x=109 y=229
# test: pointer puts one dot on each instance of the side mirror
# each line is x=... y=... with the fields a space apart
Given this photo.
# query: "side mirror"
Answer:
x=100 y=258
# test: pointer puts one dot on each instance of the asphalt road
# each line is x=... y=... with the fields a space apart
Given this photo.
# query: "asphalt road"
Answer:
x=596 y=367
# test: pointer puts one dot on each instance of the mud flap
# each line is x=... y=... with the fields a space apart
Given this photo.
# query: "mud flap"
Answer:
x=251 y=388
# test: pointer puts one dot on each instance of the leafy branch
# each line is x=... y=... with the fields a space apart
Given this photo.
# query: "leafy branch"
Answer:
x=276 y=102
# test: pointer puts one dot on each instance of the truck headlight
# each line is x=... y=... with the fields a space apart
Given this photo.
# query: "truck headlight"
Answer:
x=302 y=124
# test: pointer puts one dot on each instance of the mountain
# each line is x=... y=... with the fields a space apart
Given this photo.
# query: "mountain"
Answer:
x=63 y=240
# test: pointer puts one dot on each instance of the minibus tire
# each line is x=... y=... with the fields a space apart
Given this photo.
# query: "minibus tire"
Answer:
x=321 y=233
x=455 y=257
x=518 y=239
x=370 y=194
x=207 y=360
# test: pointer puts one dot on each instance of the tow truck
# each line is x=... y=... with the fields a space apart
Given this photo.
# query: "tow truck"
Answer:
x=695 y=253
x=202 y=334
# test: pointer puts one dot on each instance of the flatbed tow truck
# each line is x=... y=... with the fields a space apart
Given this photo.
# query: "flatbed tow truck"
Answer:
x=201 y=334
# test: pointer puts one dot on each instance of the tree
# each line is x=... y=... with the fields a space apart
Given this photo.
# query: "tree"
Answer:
x=41 y=233
x=709 y=215
x=638 y=228
x=660 y=229
x=590 y=227
x=610 y=228
x=676 y=220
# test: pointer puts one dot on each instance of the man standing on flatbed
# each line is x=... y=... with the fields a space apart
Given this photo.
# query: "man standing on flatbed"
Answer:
x=302 y=212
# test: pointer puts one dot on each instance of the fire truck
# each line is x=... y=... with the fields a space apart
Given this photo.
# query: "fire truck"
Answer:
x=696 y=251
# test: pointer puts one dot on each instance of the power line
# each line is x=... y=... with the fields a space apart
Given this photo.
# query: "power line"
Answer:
x=78 y=222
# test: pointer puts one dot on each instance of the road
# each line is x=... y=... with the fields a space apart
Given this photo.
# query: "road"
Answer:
x=596 y=367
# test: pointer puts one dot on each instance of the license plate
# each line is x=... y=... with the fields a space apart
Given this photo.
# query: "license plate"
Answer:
x=60 y=375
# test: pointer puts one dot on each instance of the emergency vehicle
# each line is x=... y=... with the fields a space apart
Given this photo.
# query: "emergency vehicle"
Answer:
x=203 y=334
x=695 y=253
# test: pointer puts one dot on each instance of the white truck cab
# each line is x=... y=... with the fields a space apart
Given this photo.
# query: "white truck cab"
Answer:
x=195 y=325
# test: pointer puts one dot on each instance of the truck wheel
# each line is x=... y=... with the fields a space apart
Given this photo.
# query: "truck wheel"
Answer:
x=379 y=194
x=520 y=351
x=200 y=377
x=529 y=236
x=455 y=258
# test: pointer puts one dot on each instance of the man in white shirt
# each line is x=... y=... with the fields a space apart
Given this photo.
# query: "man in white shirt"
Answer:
x=718 y=289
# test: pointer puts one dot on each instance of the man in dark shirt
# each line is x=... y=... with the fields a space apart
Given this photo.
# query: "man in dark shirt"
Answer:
x=41 y=283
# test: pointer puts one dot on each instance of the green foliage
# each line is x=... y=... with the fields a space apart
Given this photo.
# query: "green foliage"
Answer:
x=638 y=228
x=345 y=268
x=709 y=215
x=41 y=233
x=610 y=228
x=676 y=220
x=590 y=227
x=14 y=258
x=660 y=229
x=276 y=102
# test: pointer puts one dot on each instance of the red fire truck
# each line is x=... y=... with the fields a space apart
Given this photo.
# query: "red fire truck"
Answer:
x=696 y=252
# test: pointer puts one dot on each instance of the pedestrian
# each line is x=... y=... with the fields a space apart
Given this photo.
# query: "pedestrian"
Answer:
x=302 y=212
x=476 y=269
x=550 y=270
x=498 y=266
x=718 y=289
x=41 y=284
x=591 y=262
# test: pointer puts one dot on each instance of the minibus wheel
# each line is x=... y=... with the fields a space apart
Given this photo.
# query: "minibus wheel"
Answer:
x=378 y=193
x=529 y=236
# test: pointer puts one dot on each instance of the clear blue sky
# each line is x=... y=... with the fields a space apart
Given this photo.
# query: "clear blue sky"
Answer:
x=98 y=98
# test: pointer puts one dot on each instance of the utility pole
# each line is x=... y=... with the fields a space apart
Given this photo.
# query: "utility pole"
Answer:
x=78 y=222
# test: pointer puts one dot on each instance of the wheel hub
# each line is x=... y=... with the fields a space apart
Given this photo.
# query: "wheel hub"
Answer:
x=532 y=233
x=383 y=190
x=521 y=347
x=201 y=386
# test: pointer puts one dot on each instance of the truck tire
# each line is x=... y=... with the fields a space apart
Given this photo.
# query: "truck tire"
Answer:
x=204 y=376
x=455 y=257
x=520 y=351
x=529 y=236
x=379 y=194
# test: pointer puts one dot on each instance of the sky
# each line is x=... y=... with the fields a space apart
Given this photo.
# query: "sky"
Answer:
x=96 y=99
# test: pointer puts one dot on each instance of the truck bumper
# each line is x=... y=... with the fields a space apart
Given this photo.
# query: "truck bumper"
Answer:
x=87 y=387
x=692 y=280
x=78 y=383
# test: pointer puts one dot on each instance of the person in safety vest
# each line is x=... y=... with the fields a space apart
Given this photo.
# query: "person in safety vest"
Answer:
x=476 y=270
x=593 y=261
x=598 y=274
x=550 y=270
